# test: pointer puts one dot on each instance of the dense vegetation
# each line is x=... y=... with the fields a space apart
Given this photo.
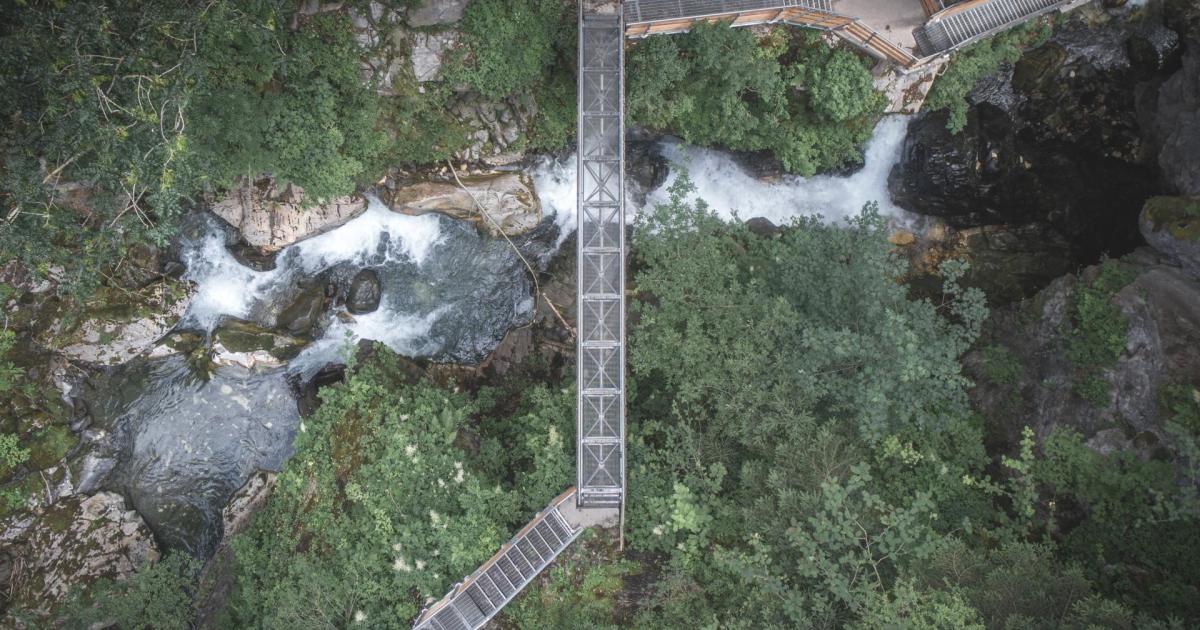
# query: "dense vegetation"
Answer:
x=788 y=467
x=788 y=93
x=120 y=114
x=802 y=451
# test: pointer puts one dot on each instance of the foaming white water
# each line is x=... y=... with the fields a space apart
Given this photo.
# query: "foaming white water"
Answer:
x=728 y=189
x=226 y=288
x=555 y=183
x=404 y=333
x=360 y=238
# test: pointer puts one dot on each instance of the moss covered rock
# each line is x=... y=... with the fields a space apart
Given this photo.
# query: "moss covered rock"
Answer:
x=1172 y=226
x=48 y=446
x=71 y=544
x=241 y=337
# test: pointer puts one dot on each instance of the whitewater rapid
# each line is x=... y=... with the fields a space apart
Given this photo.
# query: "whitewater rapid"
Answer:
x=732 y=192
x=451 y=293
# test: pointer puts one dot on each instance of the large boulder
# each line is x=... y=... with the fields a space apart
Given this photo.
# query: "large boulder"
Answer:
x=428 y=51
x=1175 y=122
x=1056 y=139
x=71 y=544
x=1171 y=225
x=436 y=12
x=271 y=217
x=508 y=199
x=365 y=292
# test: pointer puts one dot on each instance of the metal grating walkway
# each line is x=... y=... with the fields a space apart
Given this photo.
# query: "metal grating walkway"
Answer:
x=969 y=22
x=475 y=600
x=600 y=351
x=654 y=10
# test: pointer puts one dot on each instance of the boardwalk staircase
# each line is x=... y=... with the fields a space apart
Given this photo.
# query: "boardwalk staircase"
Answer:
x=968 y=22
x=475 y=600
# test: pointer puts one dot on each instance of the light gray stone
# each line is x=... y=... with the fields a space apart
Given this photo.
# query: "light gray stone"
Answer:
x=437 y=12
x=428 y=51
x=272 y=219
x=508 y=199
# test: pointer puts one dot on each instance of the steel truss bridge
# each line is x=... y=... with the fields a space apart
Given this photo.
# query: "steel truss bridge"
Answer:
x=599 y=492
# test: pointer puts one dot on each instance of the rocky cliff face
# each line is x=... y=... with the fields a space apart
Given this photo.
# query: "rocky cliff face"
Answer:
x=1030 y=368
x=1064 y=139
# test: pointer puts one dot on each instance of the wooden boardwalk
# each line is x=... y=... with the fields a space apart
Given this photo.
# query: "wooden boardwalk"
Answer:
x=946 y=30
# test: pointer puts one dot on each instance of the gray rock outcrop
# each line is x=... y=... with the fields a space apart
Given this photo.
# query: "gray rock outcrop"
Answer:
x=436 y=12
x=508 y=199
x=72 y=543
x=270 y=217
x=1162 y=306
x=1171 y=225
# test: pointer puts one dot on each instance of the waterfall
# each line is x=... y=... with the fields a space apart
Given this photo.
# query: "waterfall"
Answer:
x=728 y=189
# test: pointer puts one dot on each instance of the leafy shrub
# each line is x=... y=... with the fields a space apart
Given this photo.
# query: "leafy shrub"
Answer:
x=811 y=106
x=578 y=591
x=158 y=597
x=291 y=104
x=12 y=454
x=1000 y=366
x=1098 y=330
x=509 y=44
x=969 y=65
x=148 y=105
x=1180 y=404
x=1134 y=537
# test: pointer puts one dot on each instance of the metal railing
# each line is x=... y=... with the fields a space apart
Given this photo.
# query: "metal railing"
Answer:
x=475 y=600
x=600 y=349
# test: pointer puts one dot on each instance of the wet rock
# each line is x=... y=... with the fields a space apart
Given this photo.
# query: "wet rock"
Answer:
x=763 y=227
x=235 y=338
x=645 y=169
x=436 y=12
x=1055 y=140
x=271 y=217
x=249 y=499
x=365 y=292
x=1171 y=225
x=73 y=543
x=301 y=315
x=1009 y=263
x=508 y=199
x=1154 y=48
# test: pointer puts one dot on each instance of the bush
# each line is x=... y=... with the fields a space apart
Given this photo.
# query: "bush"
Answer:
x=969 y=65
x=149 y=105
x=1098 y=330
x=790 y=94
x=509 y=44
x=158 y=597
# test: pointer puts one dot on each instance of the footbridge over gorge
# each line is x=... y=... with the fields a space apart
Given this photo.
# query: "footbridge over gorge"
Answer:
x=908 y=34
